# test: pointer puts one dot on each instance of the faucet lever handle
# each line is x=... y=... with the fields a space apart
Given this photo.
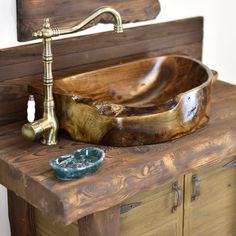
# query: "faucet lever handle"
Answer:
x=31 y=109
x=37 y=34
x=47 y=31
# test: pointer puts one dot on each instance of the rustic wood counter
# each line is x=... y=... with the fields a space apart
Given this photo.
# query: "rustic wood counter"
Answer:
x=24 y=167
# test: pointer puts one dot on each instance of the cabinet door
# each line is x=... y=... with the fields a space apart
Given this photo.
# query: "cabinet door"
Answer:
x=152 y=213
x=213 y=212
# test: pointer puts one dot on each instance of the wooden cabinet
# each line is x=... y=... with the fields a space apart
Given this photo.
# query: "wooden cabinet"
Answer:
x=214 y=211
x=211 y=212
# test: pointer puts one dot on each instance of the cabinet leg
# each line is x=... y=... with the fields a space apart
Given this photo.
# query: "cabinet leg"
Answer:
x=21 y=216
x=104 y=223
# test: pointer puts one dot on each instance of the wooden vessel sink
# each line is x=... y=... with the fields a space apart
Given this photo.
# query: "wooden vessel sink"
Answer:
x=141 y=102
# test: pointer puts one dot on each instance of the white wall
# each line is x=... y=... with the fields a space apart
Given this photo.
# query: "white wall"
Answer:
x=219 y=44
x=4 y=224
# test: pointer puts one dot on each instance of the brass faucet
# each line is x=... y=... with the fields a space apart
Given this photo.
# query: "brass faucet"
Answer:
x=47 y=127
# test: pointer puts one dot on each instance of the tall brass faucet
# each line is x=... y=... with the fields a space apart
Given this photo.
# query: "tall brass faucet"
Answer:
x=47 y=127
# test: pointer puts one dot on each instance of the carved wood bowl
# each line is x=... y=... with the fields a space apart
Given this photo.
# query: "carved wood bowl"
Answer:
x=137 y=103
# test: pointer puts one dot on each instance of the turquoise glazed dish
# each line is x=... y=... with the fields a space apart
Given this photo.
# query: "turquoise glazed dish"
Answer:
x=77 y=164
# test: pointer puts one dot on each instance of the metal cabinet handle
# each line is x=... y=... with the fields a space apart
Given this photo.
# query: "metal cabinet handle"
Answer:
x=196 y=187
x=179 y=192
x=127 y=207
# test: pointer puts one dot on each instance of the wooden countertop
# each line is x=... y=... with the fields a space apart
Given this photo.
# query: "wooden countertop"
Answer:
x=125 y=172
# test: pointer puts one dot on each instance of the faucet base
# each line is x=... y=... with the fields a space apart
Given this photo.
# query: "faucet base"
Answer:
x=49 y=142
x=50 y=136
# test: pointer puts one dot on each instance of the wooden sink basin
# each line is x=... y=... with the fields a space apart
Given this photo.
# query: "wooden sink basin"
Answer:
x=142 y=102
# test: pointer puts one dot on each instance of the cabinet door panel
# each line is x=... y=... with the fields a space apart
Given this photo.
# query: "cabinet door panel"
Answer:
x=153 y=217
x=214 y=211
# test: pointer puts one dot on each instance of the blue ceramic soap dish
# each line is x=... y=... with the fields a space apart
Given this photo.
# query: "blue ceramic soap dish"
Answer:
x=77 y=164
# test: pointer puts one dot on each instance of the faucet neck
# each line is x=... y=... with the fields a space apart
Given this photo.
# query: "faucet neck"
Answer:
x=48 y=77
x=47 y=61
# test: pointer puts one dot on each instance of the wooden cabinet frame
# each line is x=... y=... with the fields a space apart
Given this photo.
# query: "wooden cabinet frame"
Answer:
x=118 y=220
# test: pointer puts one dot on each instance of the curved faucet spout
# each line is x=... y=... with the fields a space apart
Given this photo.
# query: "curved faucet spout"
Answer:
x=118 y=27
x=48 y=32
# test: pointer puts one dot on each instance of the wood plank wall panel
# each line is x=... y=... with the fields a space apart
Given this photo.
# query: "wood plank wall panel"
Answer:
x=20 y=66
x=30 y=13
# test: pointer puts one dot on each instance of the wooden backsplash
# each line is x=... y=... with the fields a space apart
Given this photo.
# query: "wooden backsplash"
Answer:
x=30 y=13
x=19 y=66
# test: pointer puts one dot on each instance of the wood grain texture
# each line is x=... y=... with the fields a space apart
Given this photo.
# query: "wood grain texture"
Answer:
x=21 y=66
x=151 y=217
x=21 y=216
x=30 y=13
x=122 y=105
x=214 y=211
x=125 y=172
x=104 y=223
